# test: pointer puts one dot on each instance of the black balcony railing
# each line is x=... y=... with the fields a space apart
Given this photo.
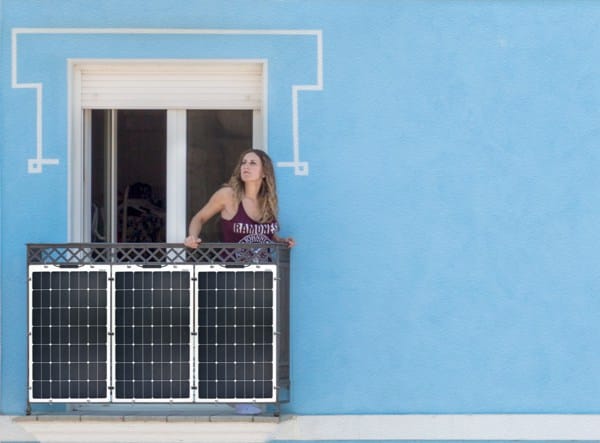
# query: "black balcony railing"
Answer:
x=158 y=323
x=226 y=254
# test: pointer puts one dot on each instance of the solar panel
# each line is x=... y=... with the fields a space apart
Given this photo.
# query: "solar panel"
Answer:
x=149 y=331
x=236 y=309
x=68 y=333
x=152 y=325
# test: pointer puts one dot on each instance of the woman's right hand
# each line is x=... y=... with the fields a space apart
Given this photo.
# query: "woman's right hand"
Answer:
x=192 y=241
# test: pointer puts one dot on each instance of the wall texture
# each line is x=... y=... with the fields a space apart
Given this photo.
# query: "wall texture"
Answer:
x=448 y=256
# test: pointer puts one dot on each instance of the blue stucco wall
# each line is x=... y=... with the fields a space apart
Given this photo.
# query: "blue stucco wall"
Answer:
x=448 y=256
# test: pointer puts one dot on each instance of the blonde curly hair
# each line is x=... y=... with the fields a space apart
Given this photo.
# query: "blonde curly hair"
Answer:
x=267 y=194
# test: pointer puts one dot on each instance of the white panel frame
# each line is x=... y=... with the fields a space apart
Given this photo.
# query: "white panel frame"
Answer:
x=113 y=347
x=79 y=141
x=193 y=270
x=176 y=175
x=261 y=268
x=85 y=190
x=53 y=268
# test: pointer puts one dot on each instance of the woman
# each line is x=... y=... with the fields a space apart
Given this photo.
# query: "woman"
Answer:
x=248 y=208
x=247 y=204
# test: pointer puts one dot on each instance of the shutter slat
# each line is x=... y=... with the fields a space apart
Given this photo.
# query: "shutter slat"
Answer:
x=210 y=85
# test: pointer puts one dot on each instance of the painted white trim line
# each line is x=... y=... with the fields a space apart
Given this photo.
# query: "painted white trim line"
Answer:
x=34 y=165
x=300 y=167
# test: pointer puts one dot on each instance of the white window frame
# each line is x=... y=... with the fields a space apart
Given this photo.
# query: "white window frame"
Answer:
x=79 y=219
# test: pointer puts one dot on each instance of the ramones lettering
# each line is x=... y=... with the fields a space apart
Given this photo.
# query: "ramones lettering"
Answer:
x=248 y=228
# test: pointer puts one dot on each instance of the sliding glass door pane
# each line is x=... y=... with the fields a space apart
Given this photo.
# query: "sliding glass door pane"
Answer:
x=215 y=140
x=141 y=175
x=128 y=158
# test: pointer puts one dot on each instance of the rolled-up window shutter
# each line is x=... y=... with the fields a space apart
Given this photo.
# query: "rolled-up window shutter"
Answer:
x=176 y=85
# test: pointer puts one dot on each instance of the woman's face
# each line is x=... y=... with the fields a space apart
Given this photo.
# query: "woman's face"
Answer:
x=251 y=168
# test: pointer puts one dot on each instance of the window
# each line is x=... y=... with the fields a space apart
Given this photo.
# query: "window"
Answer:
x=157 y=140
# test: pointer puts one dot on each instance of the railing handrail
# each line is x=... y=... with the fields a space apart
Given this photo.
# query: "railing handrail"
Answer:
x=156 y=253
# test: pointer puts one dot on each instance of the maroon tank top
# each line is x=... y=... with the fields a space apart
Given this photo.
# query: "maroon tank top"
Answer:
x=242 y=229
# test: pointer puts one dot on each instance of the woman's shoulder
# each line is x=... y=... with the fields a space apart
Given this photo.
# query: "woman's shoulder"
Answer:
x=225 y=192
x=225 y=196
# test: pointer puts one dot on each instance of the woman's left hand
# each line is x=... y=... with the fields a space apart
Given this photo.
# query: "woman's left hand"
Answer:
x=289 y=241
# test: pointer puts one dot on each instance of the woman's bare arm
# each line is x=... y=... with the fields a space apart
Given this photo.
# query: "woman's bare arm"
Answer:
x=219 y=201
